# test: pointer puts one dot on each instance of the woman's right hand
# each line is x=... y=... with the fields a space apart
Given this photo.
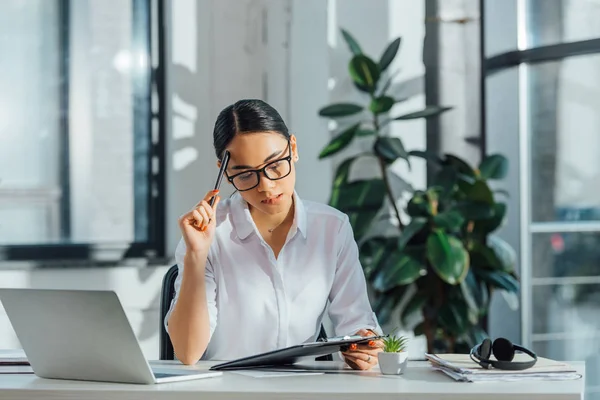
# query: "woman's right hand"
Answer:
x=198 y=225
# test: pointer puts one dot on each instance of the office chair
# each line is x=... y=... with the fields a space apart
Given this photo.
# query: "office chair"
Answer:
x=167 y=293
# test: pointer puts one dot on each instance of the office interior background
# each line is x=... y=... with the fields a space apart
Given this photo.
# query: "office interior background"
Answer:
x=107 y=109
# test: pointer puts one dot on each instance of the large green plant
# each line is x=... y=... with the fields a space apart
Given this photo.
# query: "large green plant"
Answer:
x=443 y=265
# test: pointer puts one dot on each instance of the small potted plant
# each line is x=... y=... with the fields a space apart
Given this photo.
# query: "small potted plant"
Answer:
x=394 y=357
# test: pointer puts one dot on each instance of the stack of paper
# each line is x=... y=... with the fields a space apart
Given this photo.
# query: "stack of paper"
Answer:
x=14 y=362
x=13 y=357
x=461 y=368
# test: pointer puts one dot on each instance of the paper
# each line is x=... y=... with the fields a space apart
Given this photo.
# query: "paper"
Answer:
x=272 y=374
x=13 y=357
x=15 y=369
x=460 y=367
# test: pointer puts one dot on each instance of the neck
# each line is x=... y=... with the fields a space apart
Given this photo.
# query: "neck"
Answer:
x=271 y=222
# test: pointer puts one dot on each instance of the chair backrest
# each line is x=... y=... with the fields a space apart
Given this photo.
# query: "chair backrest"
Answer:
x=167 y=293
x=166 y=296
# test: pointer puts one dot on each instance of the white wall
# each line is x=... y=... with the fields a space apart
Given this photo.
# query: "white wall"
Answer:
x=218 y=55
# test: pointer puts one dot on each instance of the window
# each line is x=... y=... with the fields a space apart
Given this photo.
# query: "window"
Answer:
x=542 y=101
x=81 y=127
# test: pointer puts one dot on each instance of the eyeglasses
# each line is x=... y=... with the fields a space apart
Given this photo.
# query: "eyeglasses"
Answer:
x=274 y=170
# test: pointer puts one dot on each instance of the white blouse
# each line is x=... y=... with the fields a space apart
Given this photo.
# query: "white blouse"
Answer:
x=258 y=303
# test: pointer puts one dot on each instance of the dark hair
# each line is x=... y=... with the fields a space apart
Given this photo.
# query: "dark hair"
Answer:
x=246 y=116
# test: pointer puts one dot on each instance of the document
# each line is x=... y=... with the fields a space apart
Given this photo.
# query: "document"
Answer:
x=15 y=369
x=460 y=367
x=13 y=357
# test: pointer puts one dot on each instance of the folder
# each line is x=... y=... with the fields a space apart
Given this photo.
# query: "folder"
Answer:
x=293 y=354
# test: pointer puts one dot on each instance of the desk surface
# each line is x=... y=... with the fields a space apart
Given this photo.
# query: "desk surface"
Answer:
x=419 y=382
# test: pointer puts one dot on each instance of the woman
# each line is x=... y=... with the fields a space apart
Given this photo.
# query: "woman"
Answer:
x=259 y=271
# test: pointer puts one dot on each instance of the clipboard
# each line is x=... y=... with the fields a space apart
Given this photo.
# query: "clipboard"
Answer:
x=291 y=355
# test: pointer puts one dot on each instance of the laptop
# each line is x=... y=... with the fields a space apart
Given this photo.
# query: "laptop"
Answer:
x=83 y=335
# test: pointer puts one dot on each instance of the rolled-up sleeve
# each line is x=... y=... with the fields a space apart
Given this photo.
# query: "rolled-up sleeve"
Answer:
x=210 y=283
x=349 y=308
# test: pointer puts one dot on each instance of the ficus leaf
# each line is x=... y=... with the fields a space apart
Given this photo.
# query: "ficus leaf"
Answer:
x=351 y=42
x=447 y=256
x=399 y=268
x=390 y=149
x=365 y=132
x=389 y=54
x=426 y=155
x=505 y=252
x=364 y=72
x=415 y=225
x=450 y=220
x=381 y=104
x=340 y=110
x=427 y=112
x=339 y=142
x=494 y=166
x=477 y=192
x=499 y=279
x=488 y=225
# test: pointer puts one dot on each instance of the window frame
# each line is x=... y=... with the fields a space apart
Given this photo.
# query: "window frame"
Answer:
x=152 y=250
x=515 y=59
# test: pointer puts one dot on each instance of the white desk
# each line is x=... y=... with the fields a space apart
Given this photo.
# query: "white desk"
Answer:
x=419 y=382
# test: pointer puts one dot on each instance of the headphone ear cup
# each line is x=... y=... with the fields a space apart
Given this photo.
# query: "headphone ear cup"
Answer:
x=485 y=349
x=503 y=349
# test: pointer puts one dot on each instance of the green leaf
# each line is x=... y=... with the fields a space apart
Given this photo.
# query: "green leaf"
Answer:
x=361 y=201
x=504 y=252
x=454 y=317
x=470 y=291
x=446 y=179
x=414 y=305
x=499 y=279
x=474 y=211
x=415 y=225
x=361 y=222
x=339 y=142
x=427 y=112
x=494 y=166
x=390 y=149
x=342 y=172
x=450 y=220
x=381 y=104
x=372 y=252
x=460 y=165
x=399 y=268
x=477 y=192
x=389 y=54
x=486 y=226
x=351 y=42
x=484 y=257
x=448 y=257
x=427 y=156
x=418 y=205
x=364 y=72
x=387 y=302
x=340 y=110
x=365 y=132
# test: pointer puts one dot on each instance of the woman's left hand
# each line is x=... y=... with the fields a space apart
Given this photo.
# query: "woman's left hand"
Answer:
x=363 y=356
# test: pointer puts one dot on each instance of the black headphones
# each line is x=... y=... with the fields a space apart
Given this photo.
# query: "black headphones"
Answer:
x=504 y=352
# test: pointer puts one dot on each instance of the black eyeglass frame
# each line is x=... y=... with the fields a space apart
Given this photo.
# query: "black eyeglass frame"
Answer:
x=262 y=170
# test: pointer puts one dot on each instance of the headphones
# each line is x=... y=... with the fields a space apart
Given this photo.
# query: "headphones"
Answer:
x=504 y=352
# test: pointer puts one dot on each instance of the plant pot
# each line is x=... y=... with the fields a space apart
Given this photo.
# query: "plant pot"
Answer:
x=393 y=363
